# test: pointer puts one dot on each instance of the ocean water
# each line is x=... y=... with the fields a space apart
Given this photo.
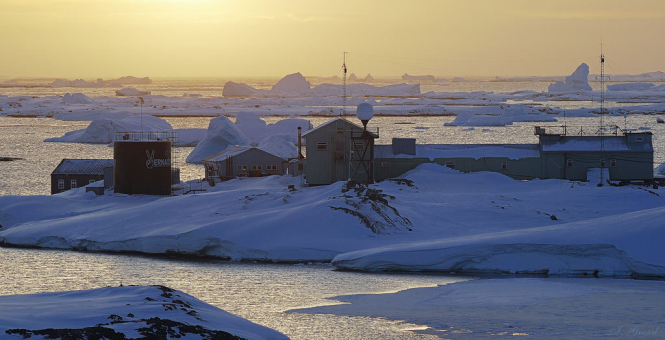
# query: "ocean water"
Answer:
x=262 y=293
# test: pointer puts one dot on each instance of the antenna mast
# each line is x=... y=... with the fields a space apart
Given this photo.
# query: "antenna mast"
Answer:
x=602 y=112
x=344 y=88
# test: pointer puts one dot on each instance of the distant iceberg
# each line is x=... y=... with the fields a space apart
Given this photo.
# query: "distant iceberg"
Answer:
x=576 y=82
x=130 y=92
x=407 y=77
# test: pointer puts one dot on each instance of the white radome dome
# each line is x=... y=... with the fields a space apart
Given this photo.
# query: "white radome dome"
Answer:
x=365 y=111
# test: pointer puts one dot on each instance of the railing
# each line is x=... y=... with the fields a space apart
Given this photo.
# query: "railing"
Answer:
x=147 y=136
x=589 y=130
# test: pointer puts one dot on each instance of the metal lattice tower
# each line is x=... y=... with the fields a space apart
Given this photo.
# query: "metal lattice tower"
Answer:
x=602 y=112
x=344 y=88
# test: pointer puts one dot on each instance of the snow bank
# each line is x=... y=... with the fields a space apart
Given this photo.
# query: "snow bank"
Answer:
x=221 y=134
x=121 y=312
x=130 y=91
x=102 y=131
x=77 y=98
x=605 y=246
x=576 y=82
x=433 y=218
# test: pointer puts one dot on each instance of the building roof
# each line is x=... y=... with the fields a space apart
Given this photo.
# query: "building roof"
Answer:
x=593 y=143
x=82 y=166
x=234 y=151
x=474 y=151
x=345 y=121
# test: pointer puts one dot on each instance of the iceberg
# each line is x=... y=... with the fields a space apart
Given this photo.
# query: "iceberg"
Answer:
x=221 y=134
x=292 y=84
x=576 y=82
x=130 y=92
x=102 y=130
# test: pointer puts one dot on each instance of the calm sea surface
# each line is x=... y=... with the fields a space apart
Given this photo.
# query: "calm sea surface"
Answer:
x=261 y=293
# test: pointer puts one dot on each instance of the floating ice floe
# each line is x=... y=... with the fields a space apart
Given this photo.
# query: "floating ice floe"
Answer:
x=501 y=116
x=630 y=87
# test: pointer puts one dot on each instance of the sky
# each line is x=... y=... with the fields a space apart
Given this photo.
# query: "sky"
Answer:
x=266 y=38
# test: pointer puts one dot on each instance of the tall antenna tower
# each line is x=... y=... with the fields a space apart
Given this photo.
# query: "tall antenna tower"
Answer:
x=344 y=88
x=602 y=112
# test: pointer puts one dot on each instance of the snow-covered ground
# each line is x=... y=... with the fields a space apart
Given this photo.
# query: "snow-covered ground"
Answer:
x=556 y=308
x=129 y=312
x=433 y=218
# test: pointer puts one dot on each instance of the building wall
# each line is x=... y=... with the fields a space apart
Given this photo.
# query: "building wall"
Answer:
x=81 y=181
x=249 y=163
x=330 y=164
x=385 y=168
x=521 y=169
x=574 y=165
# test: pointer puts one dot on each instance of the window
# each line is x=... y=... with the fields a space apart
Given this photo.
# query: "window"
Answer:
x=639 y=139
x=384 y=164
x=73 y=184
x=61 y=184
x=300 y=167
x=358 y=146
x=603 y=163
x=91 y=181
x=569 y=163
x=450 y=165
x=271 y=167
x=613 y=162
x=504 y=165
x=242 y=167
x=340 y=130
x=322 y=146
x=257 y=167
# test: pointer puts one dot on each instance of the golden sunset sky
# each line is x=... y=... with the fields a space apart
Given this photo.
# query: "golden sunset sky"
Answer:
x=225 y=38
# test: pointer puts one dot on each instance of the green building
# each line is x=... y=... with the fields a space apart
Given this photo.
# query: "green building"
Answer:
x=334 y=153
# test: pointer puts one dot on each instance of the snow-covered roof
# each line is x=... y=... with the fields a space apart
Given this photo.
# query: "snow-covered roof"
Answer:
x=475 y=151
x=335 y=121
x=82 y=166
x=593 y=143
x=234 y=151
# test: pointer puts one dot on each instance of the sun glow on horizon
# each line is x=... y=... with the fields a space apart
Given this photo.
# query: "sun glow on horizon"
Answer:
x=205 y=38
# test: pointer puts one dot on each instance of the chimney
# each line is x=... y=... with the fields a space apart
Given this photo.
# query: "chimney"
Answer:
x=300 y=143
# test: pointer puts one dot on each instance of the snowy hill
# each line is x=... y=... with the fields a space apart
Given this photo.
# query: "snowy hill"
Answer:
x=122 y=313
x=431 y=210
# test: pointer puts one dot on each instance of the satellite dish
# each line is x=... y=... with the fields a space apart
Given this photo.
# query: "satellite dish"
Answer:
x=365 y=112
